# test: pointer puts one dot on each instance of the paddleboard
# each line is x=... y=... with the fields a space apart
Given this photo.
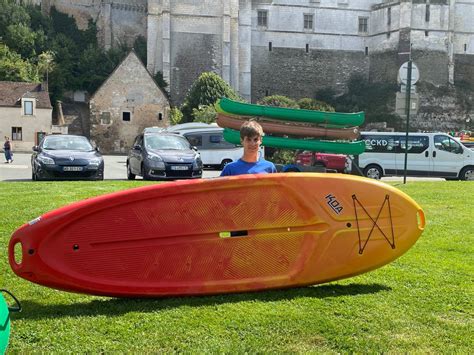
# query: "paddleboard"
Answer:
x=223 y=235
x=290 y=114
x=289 y=128
x=314 y=145
x=4 y=325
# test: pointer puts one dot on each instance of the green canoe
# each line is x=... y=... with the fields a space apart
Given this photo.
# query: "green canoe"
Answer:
x=353 y=148
x=290 y=114
x=4 y=325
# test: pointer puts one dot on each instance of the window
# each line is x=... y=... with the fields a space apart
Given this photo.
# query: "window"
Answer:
x=389 y=16
x=465 y=47
x=27 y=107
x=126 y=116
x=160 y=116
x=363 y=24
x=447 y=144
x=194 y=140
x=17 y=134
x=307 y=48
x=426 y=33
x=308 y=21
x=262 y=18
x=270 y=46
x=105 y=118
x=427 y=13
x=366 y=50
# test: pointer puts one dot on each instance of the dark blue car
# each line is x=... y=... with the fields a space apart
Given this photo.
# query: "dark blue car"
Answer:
x=66 y=157
x=159 y=155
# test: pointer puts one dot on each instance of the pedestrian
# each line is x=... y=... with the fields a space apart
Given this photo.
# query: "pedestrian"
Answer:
x=251 y=162
x=7 y=148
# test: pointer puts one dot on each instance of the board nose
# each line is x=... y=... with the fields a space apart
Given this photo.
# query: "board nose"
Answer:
x=18 y=250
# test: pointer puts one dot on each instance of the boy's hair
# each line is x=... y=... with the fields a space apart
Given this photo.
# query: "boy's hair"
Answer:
x=250 y=129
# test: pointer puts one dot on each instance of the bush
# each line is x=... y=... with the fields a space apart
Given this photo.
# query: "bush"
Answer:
x=206 y=114
x=278 y=101
x=175 y=116
x=205 y=91
x=312 y=104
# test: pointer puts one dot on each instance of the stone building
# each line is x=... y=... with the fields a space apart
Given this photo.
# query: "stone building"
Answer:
x=292 y=47
x=25 y=113
x=127 y=102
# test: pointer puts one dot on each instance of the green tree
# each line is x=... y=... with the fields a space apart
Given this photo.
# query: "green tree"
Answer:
x=205 y=91
x=15 y=68
x=161 y=82
x=313 y=104
x=278 y=101
x=206 y=114
x=175 y=116
x=21 y=39
x=45 y=64
x=12 y=13
x=140 y=48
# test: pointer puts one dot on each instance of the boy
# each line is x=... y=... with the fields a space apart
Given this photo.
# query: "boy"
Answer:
x=251 y=138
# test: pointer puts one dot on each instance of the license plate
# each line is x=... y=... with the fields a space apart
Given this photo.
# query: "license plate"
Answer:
x=72 y=168
x=179 y=167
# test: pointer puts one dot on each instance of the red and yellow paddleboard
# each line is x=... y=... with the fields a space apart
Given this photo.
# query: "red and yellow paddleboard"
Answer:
x=234 y=234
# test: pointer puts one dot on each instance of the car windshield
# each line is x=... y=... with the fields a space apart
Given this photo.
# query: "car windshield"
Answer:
x=166 y=142
x=67 y=143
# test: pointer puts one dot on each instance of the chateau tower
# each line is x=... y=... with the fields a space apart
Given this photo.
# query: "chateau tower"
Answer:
x=186 y=38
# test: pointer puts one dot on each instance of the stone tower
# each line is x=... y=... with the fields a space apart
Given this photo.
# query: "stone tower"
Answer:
x=186 y=38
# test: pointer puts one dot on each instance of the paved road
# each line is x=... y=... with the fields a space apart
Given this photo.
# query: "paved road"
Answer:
x=20 y=170
x=115 y=168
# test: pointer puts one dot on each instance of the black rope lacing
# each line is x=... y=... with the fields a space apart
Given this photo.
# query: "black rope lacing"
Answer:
x=386 y=201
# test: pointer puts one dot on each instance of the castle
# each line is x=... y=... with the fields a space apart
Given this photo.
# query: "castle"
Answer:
x=295 y=47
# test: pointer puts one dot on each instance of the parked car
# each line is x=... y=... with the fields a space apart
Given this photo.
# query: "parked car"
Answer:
x=161 y=155
x=336 y=162
x=66 y=157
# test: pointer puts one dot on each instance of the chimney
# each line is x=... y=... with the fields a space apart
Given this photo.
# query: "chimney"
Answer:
x=44 y=86
x=61 y=121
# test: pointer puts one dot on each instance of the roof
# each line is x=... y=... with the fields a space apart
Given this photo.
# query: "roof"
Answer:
x=11 y=92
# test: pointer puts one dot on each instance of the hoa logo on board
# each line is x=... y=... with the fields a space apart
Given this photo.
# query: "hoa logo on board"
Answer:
x=335 y=205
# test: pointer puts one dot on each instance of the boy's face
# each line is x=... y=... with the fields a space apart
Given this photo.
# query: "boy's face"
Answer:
x=252 y=144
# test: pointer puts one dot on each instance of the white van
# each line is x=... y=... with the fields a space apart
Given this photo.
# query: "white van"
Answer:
x=429 y=154
x=215 y=151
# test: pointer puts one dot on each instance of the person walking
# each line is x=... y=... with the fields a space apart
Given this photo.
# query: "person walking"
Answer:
x=7 y=149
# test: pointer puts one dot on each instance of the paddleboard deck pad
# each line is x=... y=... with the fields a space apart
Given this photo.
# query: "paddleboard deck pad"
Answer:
x=233 y=234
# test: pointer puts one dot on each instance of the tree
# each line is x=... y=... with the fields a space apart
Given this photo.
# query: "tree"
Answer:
x=206 y=114
x=140 y=48
x=161 y=82
x=45 y=64
x=312 y=104
x=175 y=115
x=14 y=68
x=21 y=39
x=205 y=91
x=278 y=101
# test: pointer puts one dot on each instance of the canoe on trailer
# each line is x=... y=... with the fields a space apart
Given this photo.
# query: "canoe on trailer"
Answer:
x=232 y=234
x=290 y=129
x=290 y=114
x=352 y=148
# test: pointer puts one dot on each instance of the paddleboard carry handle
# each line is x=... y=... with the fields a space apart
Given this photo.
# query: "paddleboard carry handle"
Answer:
x=16 y=308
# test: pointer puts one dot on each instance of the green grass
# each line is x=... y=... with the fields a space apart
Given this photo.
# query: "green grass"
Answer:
x=420 y=303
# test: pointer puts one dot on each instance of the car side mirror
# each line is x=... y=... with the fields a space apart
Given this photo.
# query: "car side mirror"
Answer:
x=137 y=147
x=35 y=148
x=97 y=149
x=194 y=148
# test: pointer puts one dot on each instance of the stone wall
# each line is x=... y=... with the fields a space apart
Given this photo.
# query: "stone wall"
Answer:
x=192 y=54
x=130 y=89
x=297 y=74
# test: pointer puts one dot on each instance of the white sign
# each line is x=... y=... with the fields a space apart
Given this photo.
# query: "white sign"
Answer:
x=403 y=73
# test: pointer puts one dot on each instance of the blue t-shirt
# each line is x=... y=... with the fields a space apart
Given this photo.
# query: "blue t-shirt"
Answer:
x=240 y=167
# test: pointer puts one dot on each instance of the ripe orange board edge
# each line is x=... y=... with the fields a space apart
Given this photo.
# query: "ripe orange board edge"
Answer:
x=223 y=235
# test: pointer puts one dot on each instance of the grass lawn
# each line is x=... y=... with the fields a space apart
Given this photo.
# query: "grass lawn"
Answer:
x=422 y=302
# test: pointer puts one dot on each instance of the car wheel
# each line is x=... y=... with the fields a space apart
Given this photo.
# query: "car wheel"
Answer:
x=225 y=162
x=373 y=172
x=145 y=173
x=130 y=176
x=467 y=173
